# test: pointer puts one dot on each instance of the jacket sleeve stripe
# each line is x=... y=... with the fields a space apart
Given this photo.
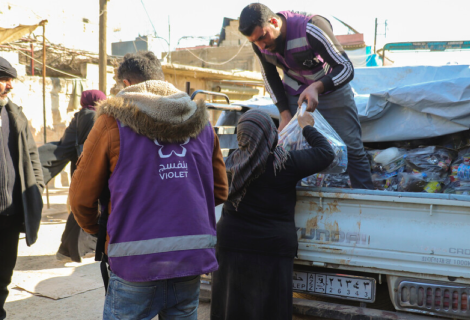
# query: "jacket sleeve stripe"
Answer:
x=266 y=83
x=318 y=34
x=335 y=54
x=325 y=40
x=344 y=74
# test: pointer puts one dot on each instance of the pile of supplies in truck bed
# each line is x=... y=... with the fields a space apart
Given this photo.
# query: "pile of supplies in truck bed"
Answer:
x=415 y=123
x=415 y=128
x=440 y=168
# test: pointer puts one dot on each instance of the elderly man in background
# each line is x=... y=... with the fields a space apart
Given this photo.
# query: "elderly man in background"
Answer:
x=21 y=182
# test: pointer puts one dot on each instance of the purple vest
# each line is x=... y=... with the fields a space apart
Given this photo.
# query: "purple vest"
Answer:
x=301 y=65
x=162 y=221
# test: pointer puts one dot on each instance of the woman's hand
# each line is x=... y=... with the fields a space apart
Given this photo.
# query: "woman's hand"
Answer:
x=306 y=120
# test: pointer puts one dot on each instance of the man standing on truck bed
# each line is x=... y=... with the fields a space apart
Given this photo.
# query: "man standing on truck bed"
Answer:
x=316 y=69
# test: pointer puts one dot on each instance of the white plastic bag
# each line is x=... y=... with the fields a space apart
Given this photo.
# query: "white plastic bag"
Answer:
x=291 y=138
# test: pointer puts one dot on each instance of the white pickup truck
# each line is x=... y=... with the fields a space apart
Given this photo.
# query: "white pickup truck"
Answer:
x=352 y=243
x=366 y=250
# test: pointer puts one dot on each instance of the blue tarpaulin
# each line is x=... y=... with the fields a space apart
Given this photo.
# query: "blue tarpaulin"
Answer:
x=405 y=103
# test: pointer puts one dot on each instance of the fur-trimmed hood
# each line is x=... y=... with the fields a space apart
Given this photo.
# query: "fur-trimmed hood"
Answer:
x=157 y=110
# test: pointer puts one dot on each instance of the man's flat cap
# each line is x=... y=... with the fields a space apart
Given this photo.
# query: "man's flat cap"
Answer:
x=6 y=70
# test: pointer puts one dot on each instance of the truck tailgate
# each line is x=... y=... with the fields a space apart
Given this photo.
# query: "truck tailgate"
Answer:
x=408 y=232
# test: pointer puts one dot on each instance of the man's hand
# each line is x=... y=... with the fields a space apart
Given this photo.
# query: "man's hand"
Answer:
x=306 y=120
x=311 y=95
x=285 y=119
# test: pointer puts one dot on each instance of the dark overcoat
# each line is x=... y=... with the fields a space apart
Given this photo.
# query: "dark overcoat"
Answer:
x=29 y=173
x=57 y=154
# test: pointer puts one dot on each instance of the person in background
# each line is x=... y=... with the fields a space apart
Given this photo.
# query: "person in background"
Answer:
x=256 y=234
x=21 y=182
x=75 y=243
x=316 y=70
x=158 y=154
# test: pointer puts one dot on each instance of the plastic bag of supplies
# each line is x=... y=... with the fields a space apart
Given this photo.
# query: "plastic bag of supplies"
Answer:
x=291 y=138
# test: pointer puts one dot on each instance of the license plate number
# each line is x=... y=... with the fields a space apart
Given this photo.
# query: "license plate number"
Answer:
x=341 y=286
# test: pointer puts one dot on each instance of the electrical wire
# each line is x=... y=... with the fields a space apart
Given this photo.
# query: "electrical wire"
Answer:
x=150 y=20
x=148 y=16
x=164 y=50
x=218 y=63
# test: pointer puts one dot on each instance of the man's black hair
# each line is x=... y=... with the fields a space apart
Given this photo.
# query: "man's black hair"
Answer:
x=139 y=67
x=254 y=15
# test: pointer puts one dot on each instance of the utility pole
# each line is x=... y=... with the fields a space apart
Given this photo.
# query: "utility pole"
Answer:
x=169 y=41
x=375 y=35
x=44 y=58
x=103 y=58
x=32 y=59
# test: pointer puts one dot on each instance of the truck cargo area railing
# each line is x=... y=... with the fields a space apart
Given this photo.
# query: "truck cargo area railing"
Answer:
x=378 y=195
x=195 y=93
x=223 y=107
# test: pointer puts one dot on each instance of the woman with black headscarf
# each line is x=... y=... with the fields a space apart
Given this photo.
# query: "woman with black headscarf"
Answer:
x=256 y=235
x=56 y=155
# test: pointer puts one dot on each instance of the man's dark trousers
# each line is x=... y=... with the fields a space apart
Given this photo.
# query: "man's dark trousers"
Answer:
x=339 y=109
x=9 y=237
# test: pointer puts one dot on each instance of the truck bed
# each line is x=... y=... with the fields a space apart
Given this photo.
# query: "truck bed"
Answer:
x=384 y=231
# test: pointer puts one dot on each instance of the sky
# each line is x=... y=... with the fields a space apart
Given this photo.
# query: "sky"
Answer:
x=407 y=20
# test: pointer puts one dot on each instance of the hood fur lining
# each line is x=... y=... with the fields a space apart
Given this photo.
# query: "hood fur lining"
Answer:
x=169 y=119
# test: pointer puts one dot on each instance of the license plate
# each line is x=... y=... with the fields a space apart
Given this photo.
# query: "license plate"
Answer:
x=340 y=286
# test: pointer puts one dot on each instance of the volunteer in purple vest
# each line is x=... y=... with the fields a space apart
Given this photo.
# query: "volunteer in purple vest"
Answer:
x=159 y=155
x=316 y=69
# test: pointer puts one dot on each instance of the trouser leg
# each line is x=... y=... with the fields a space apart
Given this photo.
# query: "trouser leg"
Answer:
x=69 y=241
x=339 y=109
x=183 y=299
x=8 y=254
x=133 y=300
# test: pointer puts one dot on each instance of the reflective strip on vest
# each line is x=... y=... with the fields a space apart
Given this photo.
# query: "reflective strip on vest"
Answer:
x=296 y=43
x=293 y=73
x=169 y=244
x=315 y=76
x=291 y=82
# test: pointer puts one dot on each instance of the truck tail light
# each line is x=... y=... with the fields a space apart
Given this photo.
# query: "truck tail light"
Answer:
x=464 y=305
x=439 y=299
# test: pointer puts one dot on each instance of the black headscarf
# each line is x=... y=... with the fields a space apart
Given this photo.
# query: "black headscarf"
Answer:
x=257 y=138
x=6 y=70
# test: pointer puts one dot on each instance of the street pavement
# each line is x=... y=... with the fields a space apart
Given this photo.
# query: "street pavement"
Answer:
x=44 y=288
x=46 y=275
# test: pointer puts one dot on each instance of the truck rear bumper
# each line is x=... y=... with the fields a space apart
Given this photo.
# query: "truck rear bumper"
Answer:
x=333 y=311
x=341 y=312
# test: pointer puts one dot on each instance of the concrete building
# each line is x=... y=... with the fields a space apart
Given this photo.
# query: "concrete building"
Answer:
x=231 y=46
x=142 y=43
x=233 y=52
x=229 y=35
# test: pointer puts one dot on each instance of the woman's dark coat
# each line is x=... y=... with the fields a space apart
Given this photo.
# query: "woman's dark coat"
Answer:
x=55 y=155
